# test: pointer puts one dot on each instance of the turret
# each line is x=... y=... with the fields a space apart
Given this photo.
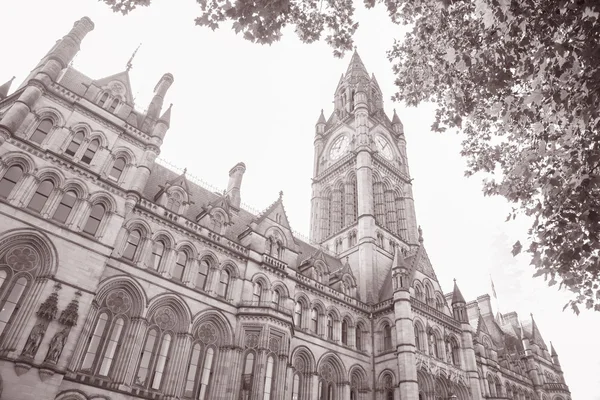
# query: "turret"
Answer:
x=235 y=184
x=397 y=124
x=47 y=71
x=554 y=355
x=459 y=305
x=160 y=91
x=320 y=125
x=5 y=88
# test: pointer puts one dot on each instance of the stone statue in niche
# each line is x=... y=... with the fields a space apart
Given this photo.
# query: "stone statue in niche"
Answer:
x=56 y=346
x=431 y=343
x=34 y=340
x=449 y=353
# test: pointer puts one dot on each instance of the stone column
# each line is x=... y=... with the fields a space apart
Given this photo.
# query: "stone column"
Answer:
x=126 y=354
x=80 y=347
x=470 y=363
x=138 y=343
x=405 y=348
x=22 y=192
x=314 y=392
x=177 y=370
x=167 y=263
x=191 y=270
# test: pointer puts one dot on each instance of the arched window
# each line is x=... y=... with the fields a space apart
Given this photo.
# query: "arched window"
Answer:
x=298 y=315
x=257 y=292
x=269 y=378
x=133 y=242
x=202 y=275
x=217 y=222
x=103 y=343
x=314 y=320
x=428 y=297
x=117 y=168
x=174 y=202
x=180 y=265
x=40 y=197
x=296 y=387
x=499 y=389
x=9 y=180
x=158 y=251
x=247 y=375
x=93 y=222
x=418 y=293
x=75 y=144
x=387 y=337
x=11 y=302
x=455 y=353
x=358 y=335
x=192 y=371
x=329 y=327
x=344 y=332
x=417 y=338
x=224 y=283
x=153 y=359
x=103 y=99
x=65 y=207
x=491 y=386
x=206 y=374
x=113 y=105
x=42 y=130
x=276 y=298
x=91 y=150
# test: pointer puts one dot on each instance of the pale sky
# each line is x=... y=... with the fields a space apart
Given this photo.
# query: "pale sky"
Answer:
x=237 y=101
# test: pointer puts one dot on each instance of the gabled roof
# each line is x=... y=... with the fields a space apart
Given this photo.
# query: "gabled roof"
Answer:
x=122 y=77
x=481 y=326
x=275 y=208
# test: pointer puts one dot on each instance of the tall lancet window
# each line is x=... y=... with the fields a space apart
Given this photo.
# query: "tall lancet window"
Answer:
x=390 y=211
x=336 y=210
x=350 y=201
x=325 y=217
x=401 y=215
x=379 y=203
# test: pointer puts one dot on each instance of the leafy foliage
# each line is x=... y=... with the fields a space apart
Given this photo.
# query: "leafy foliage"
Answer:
x=520 y=78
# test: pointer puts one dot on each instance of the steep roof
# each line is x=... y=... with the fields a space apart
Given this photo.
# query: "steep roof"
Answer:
x=356 y=66
x=122 y=77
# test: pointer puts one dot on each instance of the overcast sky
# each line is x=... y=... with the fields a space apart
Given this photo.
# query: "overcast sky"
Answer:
x=237 y=101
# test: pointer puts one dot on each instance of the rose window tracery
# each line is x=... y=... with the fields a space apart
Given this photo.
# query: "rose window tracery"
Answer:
x=118 y=302
x=207 y=333
x=327 y=373
x=22 y=259
x=252 y=340
x=300 y=365
x=165 y=318
x=274 y=345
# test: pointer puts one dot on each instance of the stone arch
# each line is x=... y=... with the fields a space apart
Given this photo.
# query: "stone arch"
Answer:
x=166 y=237
x=209 y=256
x=358 y=377
x=188 y=247
x=382 y=322
x=425 y=382
x=71 y=394
x=127 y=284
x=278 y=233
x=385 y=376
x=348 y=317
x=53 y=174
x=215 y=319
x=261 y=278
x=177 y=305
x=49 y=112
x=77 y=127
x=39 y=241
x=361 y=323
x=139 y=224
x=334 y=312
x=124 y=152
x=318 y=304
x=76 y=185
x=97 y=135
x=302 y=299
x=331 y=368
x=283 y=289
x=303 y=360
x=105 y=199
x=230 y=267
x=17 y=158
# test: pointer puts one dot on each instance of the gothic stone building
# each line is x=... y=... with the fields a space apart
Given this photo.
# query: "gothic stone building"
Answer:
x=122 y=279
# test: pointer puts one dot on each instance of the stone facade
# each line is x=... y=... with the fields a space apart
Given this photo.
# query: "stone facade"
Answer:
x=122 y=279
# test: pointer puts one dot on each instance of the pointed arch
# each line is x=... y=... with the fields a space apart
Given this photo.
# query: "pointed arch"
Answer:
x=331 y=367
x=187 y=247
x=130 y=286
x=53 y=174
x=262 y=279
x=216 y=319
x=281 y=287
x=48 y=262
x=166 y=237
x=358 y=377
x=177 y=305
x=105 y=199
x=78 y=186
x=303 y=360
x=23 y=160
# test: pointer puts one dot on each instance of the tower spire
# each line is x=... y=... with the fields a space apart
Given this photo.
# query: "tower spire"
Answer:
x=5 y=88
x=130 y=62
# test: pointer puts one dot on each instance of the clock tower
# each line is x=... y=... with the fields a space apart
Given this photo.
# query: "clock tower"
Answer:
x=362 y=205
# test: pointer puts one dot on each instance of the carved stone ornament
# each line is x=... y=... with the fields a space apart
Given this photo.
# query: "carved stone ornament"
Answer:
x=56 y=346
x=49 y=308
x=300 y=365
x=34 y=340
x=69 y=315
x=327 y=373
x=21 y=368
x=252 y=340
x=274 y=345
x=22 y=259
x=207 y=333
x=117 y=88
x=165 y=318
x=119 y=302
x=45 y=373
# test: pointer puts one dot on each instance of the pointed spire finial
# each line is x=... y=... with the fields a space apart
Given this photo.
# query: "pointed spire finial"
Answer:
x=420 y=234
x=130 y=62
x=184 y=171
x=4 y=88
x=280 y=194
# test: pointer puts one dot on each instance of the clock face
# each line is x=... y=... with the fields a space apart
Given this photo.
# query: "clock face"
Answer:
x=339 y=147
x=384 y=147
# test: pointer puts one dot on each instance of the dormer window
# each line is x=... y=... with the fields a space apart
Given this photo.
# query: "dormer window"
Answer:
x=217 y=222
x=174 y=202
x=113 y=105
x=103 y=100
